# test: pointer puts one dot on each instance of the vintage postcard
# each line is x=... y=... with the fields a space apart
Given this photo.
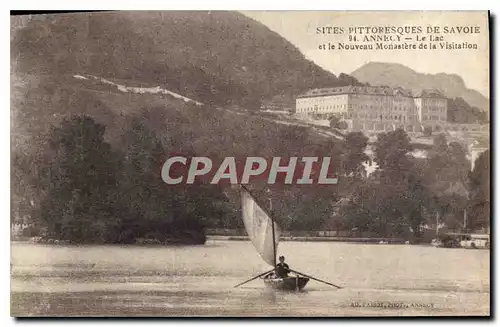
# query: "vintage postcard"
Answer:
x=261 y=163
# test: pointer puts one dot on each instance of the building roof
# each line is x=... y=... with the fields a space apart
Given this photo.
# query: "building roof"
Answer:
x=430 y=93
x=373 y=90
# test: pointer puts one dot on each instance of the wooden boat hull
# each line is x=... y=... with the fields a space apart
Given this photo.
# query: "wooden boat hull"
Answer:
x=287 y=283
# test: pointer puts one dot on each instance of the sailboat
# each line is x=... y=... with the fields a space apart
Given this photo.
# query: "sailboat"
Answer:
x=265 y=233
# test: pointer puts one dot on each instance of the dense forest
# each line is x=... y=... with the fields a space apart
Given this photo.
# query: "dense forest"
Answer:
x=58 y=159
x=405 y=193
x=85 y=189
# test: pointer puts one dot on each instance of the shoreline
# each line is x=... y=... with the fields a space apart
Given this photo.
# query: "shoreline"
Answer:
x=363 y=240
x=316 y=239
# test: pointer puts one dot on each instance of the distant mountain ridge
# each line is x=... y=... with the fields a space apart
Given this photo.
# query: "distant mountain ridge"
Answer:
x=393 y=75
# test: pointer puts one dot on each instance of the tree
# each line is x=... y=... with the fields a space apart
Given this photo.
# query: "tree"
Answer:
x=345 y=79
x=479 y=182
x=446 y=164
x=391 y=153
x=459 y=111
x=388 y=210
x=440 y=143
x=337 y=122
x=362 y=213
x=392 y=203
x=152 y=208
x=354 y=155
x=415 y=198
x=446 y=173
x=143 y=197
x=427 y=131
x=79 y=181
x=334 y=121
x=310 y=214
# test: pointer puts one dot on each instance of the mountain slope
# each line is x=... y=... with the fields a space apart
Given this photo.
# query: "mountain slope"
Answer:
x=391 y=74
x=218 y=57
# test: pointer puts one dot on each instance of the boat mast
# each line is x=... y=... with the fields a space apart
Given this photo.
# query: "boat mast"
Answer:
x=272 y=224
x=465 y=219
x=437 y=224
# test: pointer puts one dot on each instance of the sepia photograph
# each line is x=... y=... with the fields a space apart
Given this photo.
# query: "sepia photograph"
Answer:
x=250 y=164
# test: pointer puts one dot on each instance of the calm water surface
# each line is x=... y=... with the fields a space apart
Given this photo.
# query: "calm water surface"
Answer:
x=392 y=280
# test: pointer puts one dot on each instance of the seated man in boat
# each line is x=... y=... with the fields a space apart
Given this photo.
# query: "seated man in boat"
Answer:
x=282 y=268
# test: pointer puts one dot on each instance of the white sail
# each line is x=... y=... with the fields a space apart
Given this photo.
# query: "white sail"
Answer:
x=259 y=228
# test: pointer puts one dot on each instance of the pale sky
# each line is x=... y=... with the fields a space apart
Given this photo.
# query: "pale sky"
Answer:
x=299 y=27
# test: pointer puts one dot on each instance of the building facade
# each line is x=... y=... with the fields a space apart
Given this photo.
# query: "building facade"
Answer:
x=431 y=106
x=376 y=108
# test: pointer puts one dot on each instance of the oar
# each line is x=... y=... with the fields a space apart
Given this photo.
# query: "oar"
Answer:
x=319 y=280
x=267 y=272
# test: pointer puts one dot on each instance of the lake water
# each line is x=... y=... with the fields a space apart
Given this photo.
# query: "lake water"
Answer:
x=389 y=280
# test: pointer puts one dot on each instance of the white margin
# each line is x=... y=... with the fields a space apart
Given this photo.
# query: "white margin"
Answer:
x=212 y=5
